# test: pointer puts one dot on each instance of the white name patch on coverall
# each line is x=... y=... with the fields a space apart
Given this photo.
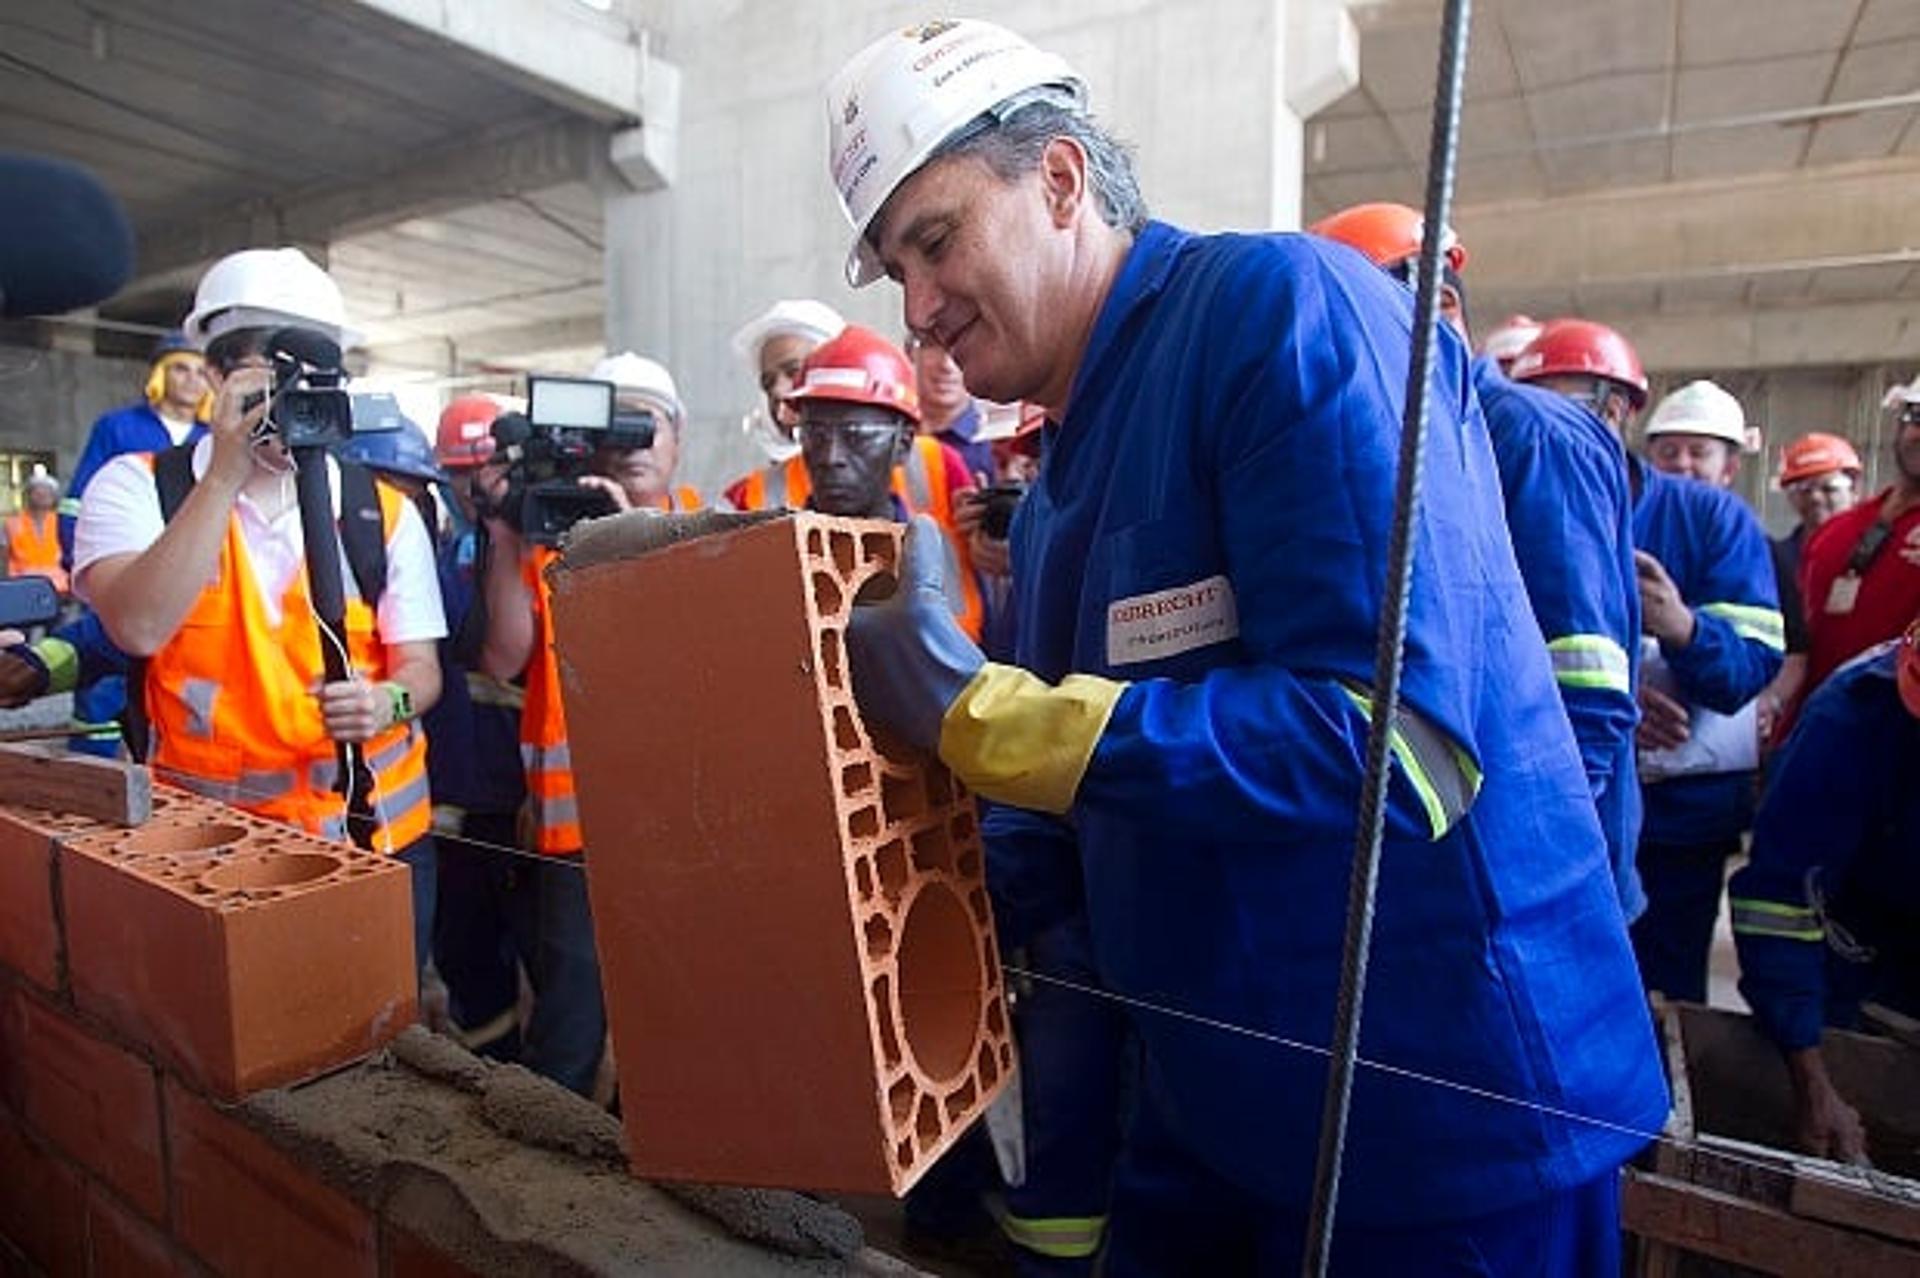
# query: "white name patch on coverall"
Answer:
x=1168 y=622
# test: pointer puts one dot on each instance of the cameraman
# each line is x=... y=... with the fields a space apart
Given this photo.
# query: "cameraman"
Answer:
x=214 y=597
x=635 y=466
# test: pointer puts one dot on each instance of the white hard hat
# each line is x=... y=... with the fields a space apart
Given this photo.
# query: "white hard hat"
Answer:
x=638 y=375
x=266 y=288
x=1700 y=408
x=39 y=478
x=1908 y=393
x=1512 y=336
x=898 y=99
x=801 y=317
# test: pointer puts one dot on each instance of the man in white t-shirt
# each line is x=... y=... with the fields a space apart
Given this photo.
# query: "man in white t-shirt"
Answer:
x=213 y=595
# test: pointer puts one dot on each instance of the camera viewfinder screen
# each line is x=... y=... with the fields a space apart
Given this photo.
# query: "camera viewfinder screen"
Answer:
x=569 y=402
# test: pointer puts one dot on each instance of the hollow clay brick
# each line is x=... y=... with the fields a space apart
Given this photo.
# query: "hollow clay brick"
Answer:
x=42 y=1203
x=794 y=933
x=97 y=1104
x=244 y=952
x=29 y=934
x=246 y=1208
x=120 y=1245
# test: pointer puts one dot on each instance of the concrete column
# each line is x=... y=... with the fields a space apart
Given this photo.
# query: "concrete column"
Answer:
x=1317 y=54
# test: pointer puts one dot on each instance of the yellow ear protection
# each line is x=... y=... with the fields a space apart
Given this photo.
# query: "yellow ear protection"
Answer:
x=157 y=382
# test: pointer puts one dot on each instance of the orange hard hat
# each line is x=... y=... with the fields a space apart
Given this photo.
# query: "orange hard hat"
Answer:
x=1389 y=234
x=1816 y=453
x=465 y=438
x=859 y=367
x=1579 y=346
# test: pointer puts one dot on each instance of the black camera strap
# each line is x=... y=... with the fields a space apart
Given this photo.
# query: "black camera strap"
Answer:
x=362 y=539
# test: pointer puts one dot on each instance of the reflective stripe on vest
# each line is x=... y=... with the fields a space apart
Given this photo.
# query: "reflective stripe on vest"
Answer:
x=1444 y=776
x=543 y=727
x=231 y=716
x=1590 y=661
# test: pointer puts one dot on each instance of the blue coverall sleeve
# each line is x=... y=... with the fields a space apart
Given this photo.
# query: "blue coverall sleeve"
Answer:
x=1033 y=871
x=1304 y=429
x=1566 y=506
x=1813 y=821
x=1739 y=637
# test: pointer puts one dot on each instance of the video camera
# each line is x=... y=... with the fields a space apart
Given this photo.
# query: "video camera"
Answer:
x=308 y=406
x=550 y=446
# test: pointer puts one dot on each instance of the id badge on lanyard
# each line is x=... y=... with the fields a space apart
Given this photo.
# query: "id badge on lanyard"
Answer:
x=1845 y=591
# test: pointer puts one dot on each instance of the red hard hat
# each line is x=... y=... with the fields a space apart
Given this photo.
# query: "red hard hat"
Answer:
x=1389 y=234
x=859 y=367
x=1817 y=454
x=465 y=439
x=1581 y=346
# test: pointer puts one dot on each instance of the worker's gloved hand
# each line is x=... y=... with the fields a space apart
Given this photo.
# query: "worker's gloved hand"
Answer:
x=1007 y=734
x=910 y=657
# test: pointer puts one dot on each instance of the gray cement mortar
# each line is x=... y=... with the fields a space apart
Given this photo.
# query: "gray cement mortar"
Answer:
x=511 y=1175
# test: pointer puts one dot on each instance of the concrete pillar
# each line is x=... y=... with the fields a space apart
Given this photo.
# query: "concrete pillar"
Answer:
x=1317 y=52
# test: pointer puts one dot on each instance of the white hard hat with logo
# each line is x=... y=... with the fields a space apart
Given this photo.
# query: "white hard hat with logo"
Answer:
x=898 y=99
x=1700 y=408
x=1511 y=336
x=799 y=317
x=1909 y=393
x=637 y=375
x=266 y=288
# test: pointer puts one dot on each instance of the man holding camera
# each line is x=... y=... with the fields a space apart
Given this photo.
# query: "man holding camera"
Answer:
x=208 y=588
x=635 y=467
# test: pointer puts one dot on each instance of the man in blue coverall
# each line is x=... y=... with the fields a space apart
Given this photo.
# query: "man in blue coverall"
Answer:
x=1564 y=477
x=1826 y=913
x=1197 y=575
x=1711 y=613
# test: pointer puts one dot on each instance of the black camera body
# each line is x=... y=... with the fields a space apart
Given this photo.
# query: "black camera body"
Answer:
x=552 y=445
x=309 y=406
x=1000 y=501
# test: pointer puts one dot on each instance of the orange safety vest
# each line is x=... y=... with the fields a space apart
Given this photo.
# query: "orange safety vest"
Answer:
x=231 y=714
x=544 y=752
x=33 y=547
x=920 y=483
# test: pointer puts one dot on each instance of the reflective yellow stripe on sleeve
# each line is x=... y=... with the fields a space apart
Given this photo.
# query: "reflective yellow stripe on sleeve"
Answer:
x=1591 y=661
x=1753 y=917
x=63 y=663
x=1762 y=625
x=1063 y=1237
x=1442 y=774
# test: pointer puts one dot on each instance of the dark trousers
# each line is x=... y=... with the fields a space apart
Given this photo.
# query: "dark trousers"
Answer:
x=505 y=909
x=1173 y=1216
x=1673 y=939
x=420 y=859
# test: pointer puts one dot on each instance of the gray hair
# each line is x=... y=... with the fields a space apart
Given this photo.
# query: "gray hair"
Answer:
x=1012 y=147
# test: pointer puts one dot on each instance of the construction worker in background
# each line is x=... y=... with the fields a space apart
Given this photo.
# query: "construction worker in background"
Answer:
x=1712 y=639
x=1509 y=338
x=1697 y=432
x=859 y=413
x=1570 y=515
x=172 y=411
x=1820 y=475
x=947 y=411
x=1826 y=912
x=1198 y=577
x=773 y=344
x=32 y=533
x=646 y=405
x=486 y=927
x=1860 y=571
x=194 y=559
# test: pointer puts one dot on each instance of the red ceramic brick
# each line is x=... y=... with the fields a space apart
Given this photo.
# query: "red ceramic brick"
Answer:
x=405 y=1256
x=29 y=934
x=246 y=953
x=121 y=1245
x=794 y=933
x=42 y=1203
x=245 y=1208
x=97 y=1104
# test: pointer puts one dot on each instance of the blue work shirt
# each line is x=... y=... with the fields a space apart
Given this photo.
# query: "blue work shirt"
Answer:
x=1564 y=474
x=960 y=435
x=1826 y=912
x=136 y=428
x=473 y=730
x=1720 y=559
x=1211 y=524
